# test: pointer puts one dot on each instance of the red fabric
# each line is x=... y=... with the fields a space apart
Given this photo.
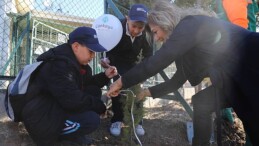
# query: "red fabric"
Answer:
x=82 y=71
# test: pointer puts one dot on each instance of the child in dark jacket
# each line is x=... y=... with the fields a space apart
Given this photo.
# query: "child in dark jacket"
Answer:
x=125 y=55
x=65 y=97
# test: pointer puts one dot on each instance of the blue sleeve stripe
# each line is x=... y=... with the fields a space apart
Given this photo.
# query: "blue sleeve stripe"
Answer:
x=70 y=127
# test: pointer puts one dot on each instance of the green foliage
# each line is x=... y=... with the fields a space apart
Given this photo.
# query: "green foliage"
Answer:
x=181 y=3
x=192 y=3
x=124 y=3
x=138 y=113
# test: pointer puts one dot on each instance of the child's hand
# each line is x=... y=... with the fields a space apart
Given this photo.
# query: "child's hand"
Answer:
x=105 y=62
x=111 y=71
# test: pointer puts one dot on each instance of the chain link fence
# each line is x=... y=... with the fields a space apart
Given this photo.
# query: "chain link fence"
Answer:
x=31 y=27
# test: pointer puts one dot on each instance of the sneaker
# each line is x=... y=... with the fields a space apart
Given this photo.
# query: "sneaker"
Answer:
x=139 y=130
x=115 y=128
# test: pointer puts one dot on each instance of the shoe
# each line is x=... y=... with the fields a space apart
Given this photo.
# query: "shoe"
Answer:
x=115 y=128
x=139 y=130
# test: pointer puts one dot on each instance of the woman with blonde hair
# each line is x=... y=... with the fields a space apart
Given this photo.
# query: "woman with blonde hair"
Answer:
x=202 y=46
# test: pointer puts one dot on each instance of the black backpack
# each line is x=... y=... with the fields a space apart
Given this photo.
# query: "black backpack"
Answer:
x=16 y=91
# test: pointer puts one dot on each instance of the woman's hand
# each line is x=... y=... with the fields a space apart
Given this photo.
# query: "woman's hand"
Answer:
x=114 y=88
x=143 y=93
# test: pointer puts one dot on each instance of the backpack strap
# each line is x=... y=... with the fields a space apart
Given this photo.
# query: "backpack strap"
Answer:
x=8 y=107
x=21 y=82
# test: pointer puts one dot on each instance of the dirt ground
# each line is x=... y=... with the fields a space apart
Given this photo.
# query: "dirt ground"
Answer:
x=164 y=126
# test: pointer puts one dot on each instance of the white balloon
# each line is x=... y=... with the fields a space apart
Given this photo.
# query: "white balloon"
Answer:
x=109 y=30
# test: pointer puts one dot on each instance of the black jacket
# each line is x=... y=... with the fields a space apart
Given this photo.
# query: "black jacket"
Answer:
x=57 y=88
x=126 y=53
x=201 y=47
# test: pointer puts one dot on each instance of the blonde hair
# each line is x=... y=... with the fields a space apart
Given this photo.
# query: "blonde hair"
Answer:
x=167 y=15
